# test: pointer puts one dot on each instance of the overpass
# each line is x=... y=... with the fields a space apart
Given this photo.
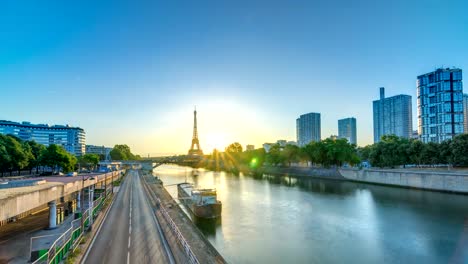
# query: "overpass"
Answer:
x=66 y=191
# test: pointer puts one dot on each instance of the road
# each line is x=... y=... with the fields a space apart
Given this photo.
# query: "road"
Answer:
x=130 y=233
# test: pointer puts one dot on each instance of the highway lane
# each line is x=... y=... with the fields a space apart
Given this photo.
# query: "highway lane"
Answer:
x=130 y=232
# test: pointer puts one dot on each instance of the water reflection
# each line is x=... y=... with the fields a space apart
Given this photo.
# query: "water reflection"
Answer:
x=276 y=219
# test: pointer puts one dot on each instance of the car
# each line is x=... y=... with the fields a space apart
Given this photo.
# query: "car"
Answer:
x=72 y=174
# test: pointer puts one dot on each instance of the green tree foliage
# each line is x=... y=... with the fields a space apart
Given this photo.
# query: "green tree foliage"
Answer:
x=274 y=155
x=459 y=147
x=390 y=151
x=331 y=152
x=57 y=157
x=89 y=160
x=122 y=152
x=234 y=148
x=36 y=152
x=16 y=154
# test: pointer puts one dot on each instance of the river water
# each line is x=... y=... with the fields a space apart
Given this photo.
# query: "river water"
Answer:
x=281 y=219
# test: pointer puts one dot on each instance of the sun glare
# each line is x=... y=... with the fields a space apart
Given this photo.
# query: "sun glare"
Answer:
x=216 y=141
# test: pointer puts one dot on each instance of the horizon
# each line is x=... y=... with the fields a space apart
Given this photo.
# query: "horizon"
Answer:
x=131 y=74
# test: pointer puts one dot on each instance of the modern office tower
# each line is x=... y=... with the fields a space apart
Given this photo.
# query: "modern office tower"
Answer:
x=347 y=129
x=99 y=150
x=71 y=138
x=308 y=128
x=392 y=116
x=465 y=113
x=440 y=105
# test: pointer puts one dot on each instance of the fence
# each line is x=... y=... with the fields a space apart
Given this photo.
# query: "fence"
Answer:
x=188 y=251
x=69 y=239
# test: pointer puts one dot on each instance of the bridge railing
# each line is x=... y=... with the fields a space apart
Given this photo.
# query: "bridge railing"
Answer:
x=188 y=251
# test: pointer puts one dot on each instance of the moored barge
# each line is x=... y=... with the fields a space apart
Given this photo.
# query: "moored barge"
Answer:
x=202 y=202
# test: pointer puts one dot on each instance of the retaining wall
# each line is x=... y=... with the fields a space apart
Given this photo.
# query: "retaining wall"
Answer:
x=430 y=180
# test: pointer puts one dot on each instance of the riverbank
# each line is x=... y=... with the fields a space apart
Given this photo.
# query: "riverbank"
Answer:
x=315 y=172
x=199 y=245
x=455 y=182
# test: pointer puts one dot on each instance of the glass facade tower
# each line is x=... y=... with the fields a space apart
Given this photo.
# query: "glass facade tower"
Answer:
x=440 y=105
x=392 y=116
x=71 y=138
x=347 y=129
x=308 y=128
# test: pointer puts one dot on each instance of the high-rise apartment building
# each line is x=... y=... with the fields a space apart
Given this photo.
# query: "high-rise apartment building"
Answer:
x=308 y=128
x=465 y=113
x=347 y=129
x=71 y=138
x=440 y=105
x=392 y=116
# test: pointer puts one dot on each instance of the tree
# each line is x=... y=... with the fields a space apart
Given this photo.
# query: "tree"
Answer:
x=291 y=153
x=364 y=152
x=274 y=156
x=416 y=152
x=57 y=157
x=36 y=151
x=122 y=152
x=5 y=159
x=431 y=154
x=459 y=147
x=89 y=160
x=234 y=148
x=390 y=151
x=18 y=158
x=445 y=152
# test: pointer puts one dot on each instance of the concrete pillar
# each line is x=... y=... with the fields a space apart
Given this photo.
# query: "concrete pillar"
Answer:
x=91 y=204
x=78 y=200
x=52 y=214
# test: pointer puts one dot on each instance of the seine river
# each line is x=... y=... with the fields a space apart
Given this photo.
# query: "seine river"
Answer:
x=271 y=219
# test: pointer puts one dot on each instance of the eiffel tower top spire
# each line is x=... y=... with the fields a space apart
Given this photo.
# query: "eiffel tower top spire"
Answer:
x=195 y=148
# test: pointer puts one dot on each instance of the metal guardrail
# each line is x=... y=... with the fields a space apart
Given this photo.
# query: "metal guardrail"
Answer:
x=69 y=239
x=188 y=251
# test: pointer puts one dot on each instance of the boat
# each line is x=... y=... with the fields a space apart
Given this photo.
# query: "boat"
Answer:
x=202 y=202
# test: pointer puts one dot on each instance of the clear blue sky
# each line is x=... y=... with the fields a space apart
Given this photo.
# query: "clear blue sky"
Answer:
x=131 y=71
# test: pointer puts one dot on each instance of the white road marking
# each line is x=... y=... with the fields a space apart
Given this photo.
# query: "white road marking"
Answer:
x=129 y=243
x=128 y=257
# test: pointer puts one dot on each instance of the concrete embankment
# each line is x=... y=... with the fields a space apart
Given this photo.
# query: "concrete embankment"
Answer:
x=429 y=180
x=199 y=245
x=324 y=173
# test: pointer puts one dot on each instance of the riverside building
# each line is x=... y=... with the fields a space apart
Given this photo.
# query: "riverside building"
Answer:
x=440 y=105
x=347 y=129
x=71 y=138
x=308 y=128
x=392 y=116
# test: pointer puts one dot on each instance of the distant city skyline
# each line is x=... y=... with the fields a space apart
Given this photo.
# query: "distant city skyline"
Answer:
x=130 y=73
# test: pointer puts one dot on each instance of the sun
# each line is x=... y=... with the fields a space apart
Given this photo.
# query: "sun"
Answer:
x=216 y=141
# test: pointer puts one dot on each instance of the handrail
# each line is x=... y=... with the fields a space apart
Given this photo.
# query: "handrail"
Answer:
x=69 y=231
x=188 y=251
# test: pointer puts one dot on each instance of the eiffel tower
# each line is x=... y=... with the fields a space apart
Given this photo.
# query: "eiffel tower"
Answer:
x=195 y=149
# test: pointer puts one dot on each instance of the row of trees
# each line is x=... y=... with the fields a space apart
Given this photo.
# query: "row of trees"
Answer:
x=326 y=153
x=17 y=155
x=390 y=152
x=393 y=151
